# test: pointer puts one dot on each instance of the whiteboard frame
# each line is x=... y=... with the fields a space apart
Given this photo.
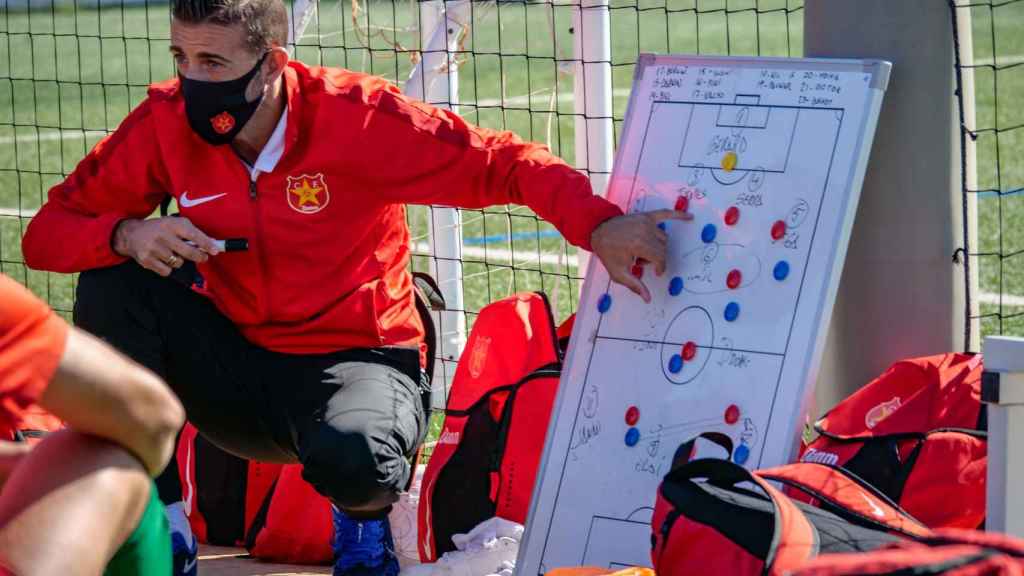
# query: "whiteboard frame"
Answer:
x=530 y=554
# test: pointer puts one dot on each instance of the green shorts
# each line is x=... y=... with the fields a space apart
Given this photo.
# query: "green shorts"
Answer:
x=147 y=551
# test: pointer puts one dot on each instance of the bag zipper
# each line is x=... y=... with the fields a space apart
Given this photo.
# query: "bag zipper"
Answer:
x=666 y=529
x=505 y=426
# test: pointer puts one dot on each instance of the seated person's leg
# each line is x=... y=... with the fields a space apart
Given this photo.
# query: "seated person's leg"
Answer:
x=357 y=454
x=115 y=304
x=182 y=337
x=72 y=503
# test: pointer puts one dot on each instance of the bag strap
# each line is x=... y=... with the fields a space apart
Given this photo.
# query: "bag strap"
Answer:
x=259 y=521
x=428 y=298
x=551 y=370
x=794 y=540
x=847 y=493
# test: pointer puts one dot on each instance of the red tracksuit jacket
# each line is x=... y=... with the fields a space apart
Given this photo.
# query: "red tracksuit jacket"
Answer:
x=327 y=265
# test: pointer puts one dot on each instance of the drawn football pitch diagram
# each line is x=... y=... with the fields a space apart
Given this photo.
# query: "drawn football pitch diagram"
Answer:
x=722 y=354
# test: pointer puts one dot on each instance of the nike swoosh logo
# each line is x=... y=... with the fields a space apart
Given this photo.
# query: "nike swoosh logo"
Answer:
x=878 y=512
x=189 y=565
x=187 y=202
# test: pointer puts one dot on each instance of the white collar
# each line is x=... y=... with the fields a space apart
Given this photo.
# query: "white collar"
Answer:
x=273 y=150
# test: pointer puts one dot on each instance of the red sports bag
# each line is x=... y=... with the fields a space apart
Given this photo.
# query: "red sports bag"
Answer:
x=293 y=525
x=267 y=508
x=486 y=459
x=917 y=434
x=721 y=527
x=950 y=552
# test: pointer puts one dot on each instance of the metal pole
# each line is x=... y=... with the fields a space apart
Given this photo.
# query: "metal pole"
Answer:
x=970 y=165
x=435 y=80
x=900 y=294
x=298 y=18
x=595 y=130
x=1002 y=387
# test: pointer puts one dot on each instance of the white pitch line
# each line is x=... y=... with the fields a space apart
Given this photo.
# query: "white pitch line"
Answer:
x=525 y=100
x=502 y=255
x=1008 y=60
x=522 y=101
x=16 y=213
x=51 y=136
x=480 y=254
x=1005 y=299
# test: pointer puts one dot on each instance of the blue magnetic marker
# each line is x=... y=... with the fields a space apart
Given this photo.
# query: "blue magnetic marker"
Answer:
x=732 y=312
x=781 y=270
x=632 y=437
x=605 y=303
x=675 y=364
x=741 y=455
x=675 y=287
x=709 y=233
x=663 y=226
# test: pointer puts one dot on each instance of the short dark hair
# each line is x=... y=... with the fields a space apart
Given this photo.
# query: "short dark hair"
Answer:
x=265 y=21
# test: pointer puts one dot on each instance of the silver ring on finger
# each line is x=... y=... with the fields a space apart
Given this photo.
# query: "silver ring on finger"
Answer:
x=172 y=261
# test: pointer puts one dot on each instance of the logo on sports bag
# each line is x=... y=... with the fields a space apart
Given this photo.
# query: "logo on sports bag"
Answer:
x=449 y=437
x=876 y=415
x=820 y=457
x=308 y=194
x=478 y=357
x=222 y=123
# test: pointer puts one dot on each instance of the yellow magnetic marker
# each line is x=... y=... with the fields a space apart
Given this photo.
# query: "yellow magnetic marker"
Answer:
x=729 y=161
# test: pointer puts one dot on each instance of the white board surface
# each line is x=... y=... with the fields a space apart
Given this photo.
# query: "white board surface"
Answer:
x=770 y=155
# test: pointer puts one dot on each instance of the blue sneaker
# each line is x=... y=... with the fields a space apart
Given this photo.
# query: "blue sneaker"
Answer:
x=363 y=547
x=186 y=557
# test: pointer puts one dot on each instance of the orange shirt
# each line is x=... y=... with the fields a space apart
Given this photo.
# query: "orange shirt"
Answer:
x=32 y=340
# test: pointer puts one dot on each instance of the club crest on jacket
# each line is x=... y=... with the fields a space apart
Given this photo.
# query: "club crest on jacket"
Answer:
x=308 y=194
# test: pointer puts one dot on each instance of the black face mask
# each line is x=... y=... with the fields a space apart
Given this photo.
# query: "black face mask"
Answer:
x=218 y=111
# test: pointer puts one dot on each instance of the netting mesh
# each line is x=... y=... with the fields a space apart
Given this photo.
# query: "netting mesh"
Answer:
x=991 y=71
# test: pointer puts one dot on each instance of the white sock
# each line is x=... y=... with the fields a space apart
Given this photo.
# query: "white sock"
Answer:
x=178 y=521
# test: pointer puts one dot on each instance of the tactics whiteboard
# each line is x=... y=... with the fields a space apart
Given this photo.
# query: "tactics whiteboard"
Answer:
x=769 y=155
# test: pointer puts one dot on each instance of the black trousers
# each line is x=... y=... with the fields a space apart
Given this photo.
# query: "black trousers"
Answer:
x=353 y=418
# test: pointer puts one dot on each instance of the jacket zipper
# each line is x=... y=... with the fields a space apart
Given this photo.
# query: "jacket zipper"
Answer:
x=257 y=241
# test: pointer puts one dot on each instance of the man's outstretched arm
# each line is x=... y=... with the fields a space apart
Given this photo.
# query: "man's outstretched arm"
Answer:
x=446 y=160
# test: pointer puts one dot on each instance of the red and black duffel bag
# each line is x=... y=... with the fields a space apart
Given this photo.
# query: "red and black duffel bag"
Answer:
x=736 y=522
x=950 y=552
x=917 y=434
x=496 y=420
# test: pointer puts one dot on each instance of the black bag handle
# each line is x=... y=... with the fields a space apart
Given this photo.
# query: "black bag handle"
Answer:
x=685 y=450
